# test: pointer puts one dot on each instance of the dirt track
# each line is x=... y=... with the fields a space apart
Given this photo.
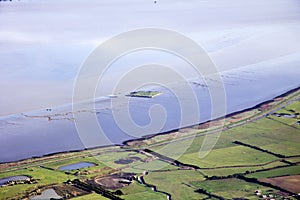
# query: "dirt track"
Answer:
x=290 y=183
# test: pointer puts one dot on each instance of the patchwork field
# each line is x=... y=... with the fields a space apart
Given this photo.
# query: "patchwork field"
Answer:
x=176 y=183
x=138 y=191
x=230 y=156
x=238 y=170
x=232 y=188
x=45 y=177
x=291 y=170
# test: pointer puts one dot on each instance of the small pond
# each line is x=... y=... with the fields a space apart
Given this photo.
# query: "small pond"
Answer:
x=13 y=178
x=47 y=194
x=77 y=166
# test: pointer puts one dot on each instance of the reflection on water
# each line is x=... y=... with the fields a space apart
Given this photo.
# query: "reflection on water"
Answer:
x=3 y=181
x=44 y=132
x=47 y=194
x=76 y=166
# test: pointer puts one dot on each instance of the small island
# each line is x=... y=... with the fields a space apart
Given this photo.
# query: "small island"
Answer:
x=144 y=94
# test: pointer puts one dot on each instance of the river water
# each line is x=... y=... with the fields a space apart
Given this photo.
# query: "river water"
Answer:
x=43 y=44
x=33 y=134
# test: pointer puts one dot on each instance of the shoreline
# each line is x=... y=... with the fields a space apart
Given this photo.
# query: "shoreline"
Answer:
x=125 y=143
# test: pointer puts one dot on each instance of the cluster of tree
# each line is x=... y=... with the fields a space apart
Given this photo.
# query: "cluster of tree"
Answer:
x=171 y=160
x=224 y=177
x=210 y=195
x=44 y=167
x=96 y=188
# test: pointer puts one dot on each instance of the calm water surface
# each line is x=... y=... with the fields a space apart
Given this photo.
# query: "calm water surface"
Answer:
x=13 y=178
x=47 y=194
x=77 y=166
x=33 y=134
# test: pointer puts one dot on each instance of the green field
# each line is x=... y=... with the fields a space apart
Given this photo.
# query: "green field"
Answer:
x=140 y=167
x=231 y=188
x=175 y=183
x=238 y=170
x=230 y=156
x=292 y=170
x=92 y=196
x=294 y=160
x=265 y=133
x=138 y=191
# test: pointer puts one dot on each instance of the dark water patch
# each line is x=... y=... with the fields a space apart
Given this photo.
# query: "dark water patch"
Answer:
x=77 y=166
x=47 y=194
x=3 y=181
x=127 y=160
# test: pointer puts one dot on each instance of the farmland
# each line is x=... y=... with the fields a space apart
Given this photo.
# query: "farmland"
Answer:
x=231 y=188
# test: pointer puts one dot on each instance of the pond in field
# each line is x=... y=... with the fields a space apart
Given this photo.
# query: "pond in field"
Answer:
x=77 y=166
x=12 y=178
x=47 y=194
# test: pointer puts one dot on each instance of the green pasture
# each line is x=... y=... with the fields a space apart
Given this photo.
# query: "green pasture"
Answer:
x=176 y=183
